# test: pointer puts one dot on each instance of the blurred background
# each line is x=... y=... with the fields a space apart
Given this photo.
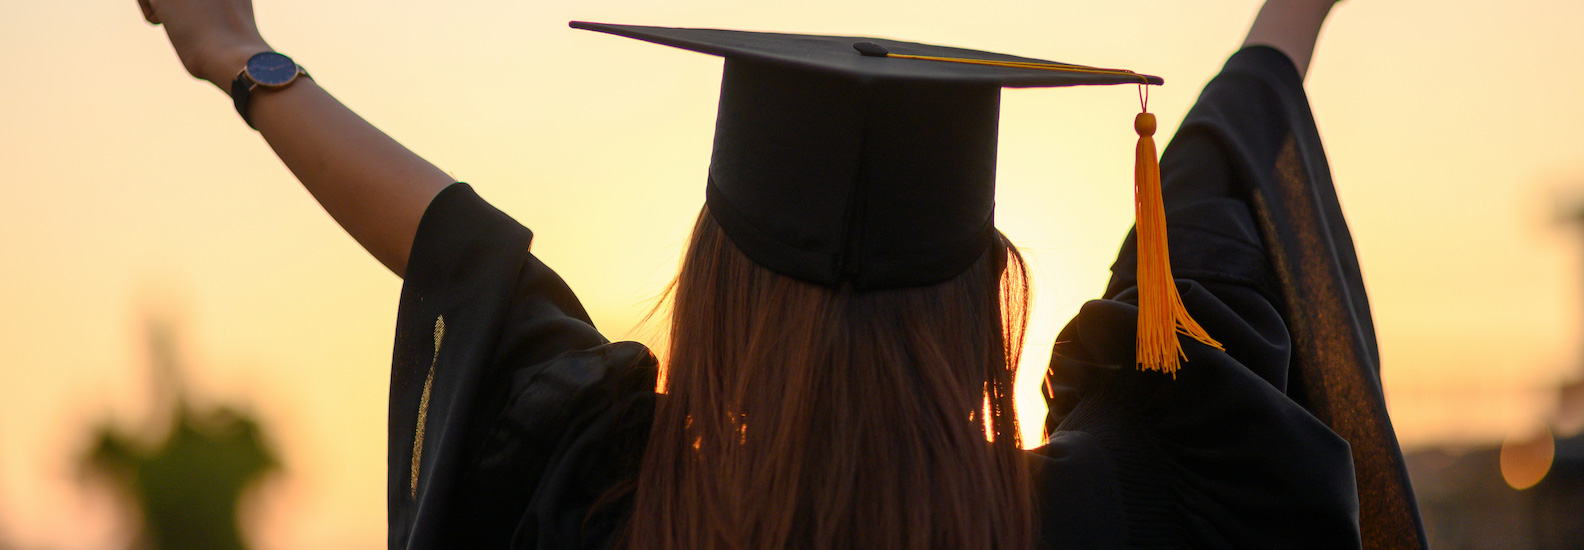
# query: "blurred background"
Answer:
x=195 y=356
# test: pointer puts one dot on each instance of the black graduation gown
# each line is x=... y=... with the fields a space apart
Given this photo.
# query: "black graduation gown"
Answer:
x=511 y=417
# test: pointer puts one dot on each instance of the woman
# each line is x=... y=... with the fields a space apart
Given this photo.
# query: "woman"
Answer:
x=828 y=406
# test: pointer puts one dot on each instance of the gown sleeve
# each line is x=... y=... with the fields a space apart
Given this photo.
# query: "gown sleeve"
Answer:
x=511 y=418
x=1256 y=446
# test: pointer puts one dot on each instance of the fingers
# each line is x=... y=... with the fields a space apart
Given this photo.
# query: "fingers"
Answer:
x=148 y=12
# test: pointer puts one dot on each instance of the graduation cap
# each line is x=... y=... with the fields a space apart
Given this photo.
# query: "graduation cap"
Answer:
x=871 y=162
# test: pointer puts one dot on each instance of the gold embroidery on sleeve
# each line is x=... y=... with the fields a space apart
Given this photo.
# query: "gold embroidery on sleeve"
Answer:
x=423 y=406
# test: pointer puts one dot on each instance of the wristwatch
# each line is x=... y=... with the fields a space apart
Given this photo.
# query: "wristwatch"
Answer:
x=270 y=70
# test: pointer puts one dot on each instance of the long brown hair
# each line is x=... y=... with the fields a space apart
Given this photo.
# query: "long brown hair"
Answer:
x=802 y=416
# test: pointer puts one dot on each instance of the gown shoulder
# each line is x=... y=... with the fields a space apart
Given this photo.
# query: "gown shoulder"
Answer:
x=1222 y=454
x=513 y=421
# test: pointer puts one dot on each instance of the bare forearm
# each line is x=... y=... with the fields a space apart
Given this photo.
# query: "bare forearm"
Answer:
x=373 y=186
x=1291 y=26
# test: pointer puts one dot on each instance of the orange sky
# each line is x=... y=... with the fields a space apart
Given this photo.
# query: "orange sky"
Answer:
x=1451 y=127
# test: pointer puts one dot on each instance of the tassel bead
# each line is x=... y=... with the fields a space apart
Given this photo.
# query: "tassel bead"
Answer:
x=1144 y=124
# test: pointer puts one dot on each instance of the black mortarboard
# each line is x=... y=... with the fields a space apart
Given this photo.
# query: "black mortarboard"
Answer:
x=871 y=162
x=832 y=165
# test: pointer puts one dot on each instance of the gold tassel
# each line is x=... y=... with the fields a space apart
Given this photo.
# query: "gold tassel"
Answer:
x=1161 y=311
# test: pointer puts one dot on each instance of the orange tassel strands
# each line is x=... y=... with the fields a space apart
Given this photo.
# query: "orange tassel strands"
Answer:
x=1161 y=311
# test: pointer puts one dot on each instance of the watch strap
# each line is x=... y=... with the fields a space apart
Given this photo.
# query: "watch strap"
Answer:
x=241 y=91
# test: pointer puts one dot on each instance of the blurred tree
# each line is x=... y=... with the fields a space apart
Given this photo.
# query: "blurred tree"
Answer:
x=187 y=485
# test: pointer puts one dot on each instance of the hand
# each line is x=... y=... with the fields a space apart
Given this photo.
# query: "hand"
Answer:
x=213 y=38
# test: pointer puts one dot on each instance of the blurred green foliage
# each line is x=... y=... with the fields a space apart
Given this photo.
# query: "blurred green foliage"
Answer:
x=187 y=484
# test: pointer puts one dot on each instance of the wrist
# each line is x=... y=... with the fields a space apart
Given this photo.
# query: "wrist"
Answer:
x=223 y=67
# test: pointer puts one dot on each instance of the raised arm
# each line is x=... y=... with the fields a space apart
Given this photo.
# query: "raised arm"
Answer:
x=1291 y=26
x=373 y=186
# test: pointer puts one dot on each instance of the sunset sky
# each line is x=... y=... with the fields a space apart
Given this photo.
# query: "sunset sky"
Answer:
x=134 y=191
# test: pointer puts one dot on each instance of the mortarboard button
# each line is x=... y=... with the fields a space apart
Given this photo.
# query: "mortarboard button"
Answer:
x=871 y=49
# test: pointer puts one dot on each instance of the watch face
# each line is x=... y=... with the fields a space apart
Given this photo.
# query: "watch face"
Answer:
x=271 y=69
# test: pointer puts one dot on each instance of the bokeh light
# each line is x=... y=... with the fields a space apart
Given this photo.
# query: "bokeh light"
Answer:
x=1526 y=459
